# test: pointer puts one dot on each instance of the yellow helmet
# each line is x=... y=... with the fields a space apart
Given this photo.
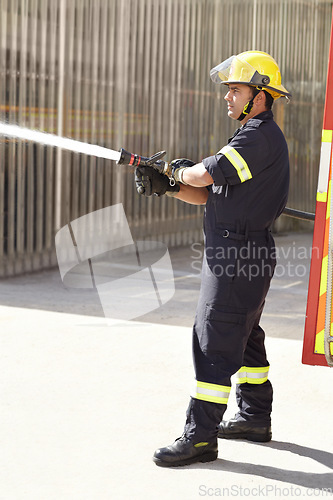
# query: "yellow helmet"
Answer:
x=254 y=68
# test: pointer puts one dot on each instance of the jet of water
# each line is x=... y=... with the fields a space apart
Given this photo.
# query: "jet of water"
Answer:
x=57 y=141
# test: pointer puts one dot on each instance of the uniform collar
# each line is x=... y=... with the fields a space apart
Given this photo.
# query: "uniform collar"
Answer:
x=255 y=121
x=261 y=117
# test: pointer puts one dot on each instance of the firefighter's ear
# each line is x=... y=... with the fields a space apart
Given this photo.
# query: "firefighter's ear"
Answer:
x=260 y=98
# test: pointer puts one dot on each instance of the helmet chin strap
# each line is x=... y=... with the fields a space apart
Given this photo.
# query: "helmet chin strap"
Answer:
x=247 y=108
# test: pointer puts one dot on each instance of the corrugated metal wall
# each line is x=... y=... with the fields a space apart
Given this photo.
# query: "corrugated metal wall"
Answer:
x=135 y=74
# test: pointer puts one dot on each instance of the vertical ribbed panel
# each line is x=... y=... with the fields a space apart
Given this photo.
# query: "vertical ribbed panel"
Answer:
x=135 y=74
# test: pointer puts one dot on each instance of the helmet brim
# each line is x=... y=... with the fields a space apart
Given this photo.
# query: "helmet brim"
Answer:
x=278 y=90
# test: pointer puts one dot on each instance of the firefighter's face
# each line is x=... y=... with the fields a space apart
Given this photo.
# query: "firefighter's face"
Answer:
x=237 y=97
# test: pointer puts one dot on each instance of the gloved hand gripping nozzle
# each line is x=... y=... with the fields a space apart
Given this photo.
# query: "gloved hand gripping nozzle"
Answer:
x=152 y=175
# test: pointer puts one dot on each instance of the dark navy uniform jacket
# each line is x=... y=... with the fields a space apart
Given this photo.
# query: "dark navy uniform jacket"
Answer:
x=251 y=178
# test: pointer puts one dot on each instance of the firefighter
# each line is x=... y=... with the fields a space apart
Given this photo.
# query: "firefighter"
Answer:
x=244 y=188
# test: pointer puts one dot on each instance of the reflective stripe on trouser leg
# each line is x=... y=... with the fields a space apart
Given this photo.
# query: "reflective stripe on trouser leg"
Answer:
x=212 y=393
x=252 y=375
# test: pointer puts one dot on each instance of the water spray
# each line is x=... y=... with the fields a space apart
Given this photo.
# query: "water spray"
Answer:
x=122 y=157
x=60 y=142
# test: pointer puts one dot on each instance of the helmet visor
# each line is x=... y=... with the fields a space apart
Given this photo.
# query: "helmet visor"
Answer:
x=221 y=72
x=237 y=70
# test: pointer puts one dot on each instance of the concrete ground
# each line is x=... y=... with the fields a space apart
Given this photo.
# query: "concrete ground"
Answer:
x=85 y=401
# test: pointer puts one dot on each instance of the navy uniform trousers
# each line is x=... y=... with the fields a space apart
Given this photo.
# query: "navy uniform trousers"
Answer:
x=227 y=337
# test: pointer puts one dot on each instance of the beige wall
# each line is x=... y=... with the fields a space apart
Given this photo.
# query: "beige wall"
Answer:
x=135 y=74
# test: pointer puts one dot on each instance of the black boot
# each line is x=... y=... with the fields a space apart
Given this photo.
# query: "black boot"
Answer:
x=241 y=429
x=185 y=452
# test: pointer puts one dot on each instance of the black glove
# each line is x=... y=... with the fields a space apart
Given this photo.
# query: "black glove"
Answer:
x=148 y=181
x=178 y=166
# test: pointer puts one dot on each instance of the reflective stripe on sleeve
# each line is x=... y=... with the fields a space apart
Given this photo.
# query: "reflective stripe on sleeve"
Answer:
x=238 y=162
x=252 y=375
x=211 y=392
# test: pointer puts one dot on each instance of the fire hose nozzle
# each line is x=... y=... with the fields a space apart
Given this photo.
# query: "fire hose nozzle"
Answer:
x=154 y=161
x=127 y=158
